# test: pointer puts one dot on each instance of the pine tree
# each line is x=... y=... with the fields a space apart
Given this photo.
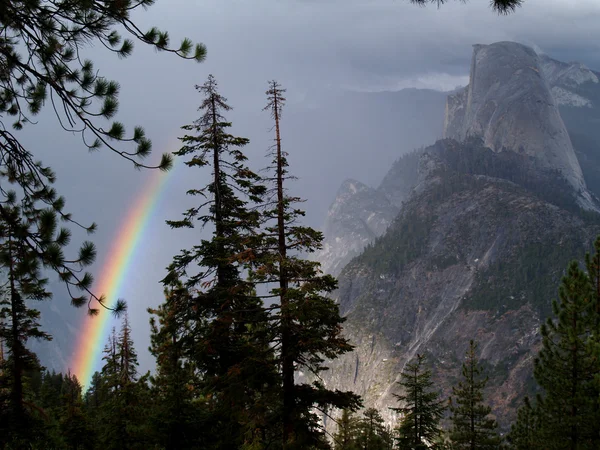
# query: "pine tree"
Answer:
x=127 y=355
x=176 y=410
x=472 y=428
x=41 y=47
x=229 y=348
x=592 y=263
x=345 y=437
x=422 y=409
x=524 y=433
x=23 y=261
x=566 y=366
x=306 y=324
x=75 y=428
x=371 y=432
x=121 y=417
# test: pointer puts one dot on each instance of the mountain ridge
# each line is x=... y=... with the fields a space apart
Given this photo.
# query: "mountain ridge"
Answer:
x=483 y=235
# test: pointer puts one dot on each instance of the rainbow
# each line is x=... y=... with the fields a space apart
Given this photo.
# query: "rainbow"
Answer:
x=88 y=353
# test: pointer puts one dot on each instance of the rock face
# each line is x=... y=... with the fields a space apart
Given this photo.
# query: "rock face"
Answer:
x=567 y=76
x=402 y=177
x=358 y=215
x=510 y=104
x=470 y=256
x=576 y=90
x=488 y=219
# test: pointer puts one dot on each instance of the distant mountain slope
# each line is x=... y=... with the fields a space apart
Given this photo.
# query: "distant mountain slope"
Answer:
x=63 y=322
x=469 y=257
x=507 y=115
x=359 y=214
x=489 y=219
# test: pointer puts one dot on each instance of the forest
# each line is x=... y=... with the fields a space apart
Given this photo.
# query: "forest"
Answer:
x=245 y=309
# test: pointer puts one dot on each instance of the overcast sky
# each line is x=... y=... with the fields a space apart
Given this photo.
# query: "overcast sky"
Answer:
x=311 y=47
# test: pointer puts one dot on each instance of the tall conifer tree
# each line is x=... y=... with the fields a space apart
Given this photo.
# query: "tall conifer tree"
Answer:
x=306 y=323
x=524 y=433
x=122 y=415
x=75 y=429
x=176 y=409
x=345 y=436
x=371 y=432
x=422 y=409
x=22 y=261
x=565 y=367
x=229 y=348
x=41 y=52
x=472 y=428
x=592 y=263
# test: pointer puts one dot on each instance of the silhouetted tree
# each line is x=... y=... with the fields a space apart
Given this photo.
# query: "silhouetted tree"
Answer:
x=345 y=436
x=565 y=366
x=176 y=409
x=524 y=433
x=23 y=262
x=306 y=324
x=422 y=409
x=472 y=428
x=228 y=346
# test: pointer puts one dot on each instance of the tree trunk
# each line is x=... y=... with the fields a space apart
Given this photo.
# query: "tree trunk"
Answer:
x=287 y=359
x=574 y=375
x=17 y=346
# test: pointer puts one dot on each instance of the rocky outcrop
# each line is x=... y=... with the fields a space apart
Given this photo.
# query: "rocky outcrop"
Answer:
x=509 y=103
x=571 y=75
x=454 y=117
x=398 y=183
x=470 y=256
x=357 y=216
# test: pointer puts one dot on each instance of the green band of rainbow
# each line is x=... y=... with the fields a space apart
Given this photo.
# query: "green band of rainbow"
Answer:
x=117 y=264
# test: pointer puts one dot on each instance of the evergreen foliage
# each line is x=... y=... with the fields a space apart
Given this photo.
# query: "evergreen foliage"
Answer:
x=41 y=52
x=345 y=436
x=592 y=264
x=500 y=6
x=368 y=432
x=422 y=409
x=524 y=433
x=565 y=367
x=41 y=46
x=371 y=432
x=306 y=324
x=567 y=411
x=175 y=412
x=228 y=344
x=121 y=414
x=472 y=428
x=22 y=261
x=75 y=429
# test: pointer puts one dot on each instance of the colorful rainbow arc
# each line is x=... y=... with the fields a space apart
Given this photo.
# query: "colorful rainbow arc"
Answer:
x=88 y=353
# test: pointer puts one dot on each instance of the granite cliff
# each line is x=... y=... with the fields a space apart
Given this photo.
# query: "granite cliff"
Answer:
x=488 y=219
